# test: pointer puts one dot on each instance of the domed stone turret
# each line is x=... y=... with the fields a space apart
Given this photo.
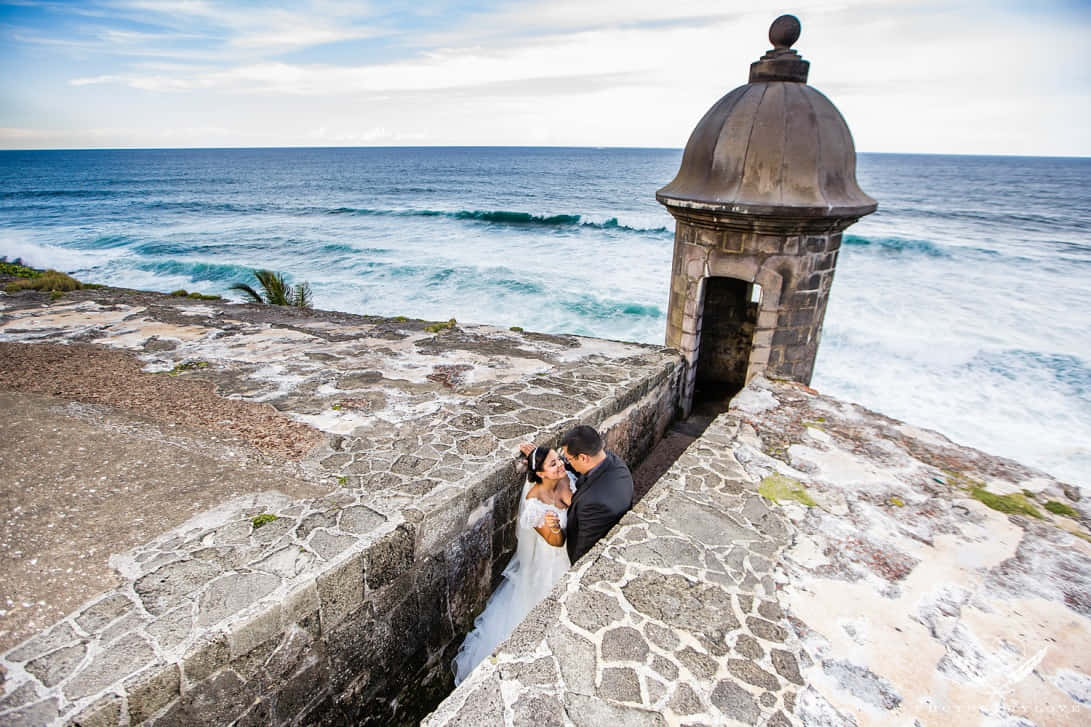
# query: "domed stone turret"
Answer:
x=775 y=146
x=766 y=185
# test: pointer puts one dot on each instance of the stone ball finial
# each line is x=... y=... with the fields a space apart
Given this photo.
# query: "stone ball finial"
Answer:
x=784 y=31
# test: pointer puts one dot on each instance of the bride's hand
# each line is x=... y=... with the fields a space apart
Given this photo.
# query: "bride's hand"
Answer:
x=552 y=522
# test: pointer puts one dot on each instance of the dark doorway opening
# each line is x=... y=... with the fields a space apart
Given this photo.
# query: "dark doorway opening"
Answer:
x=730 y=315
x=728 y=319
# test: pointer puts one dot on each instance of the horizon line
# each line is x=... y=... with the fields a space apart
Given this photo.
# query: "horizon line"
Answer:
x=495 y=146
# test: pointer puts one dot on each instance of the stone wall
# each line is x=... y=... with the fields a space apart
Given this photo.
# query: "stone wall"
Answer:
x=344 y=608
x=795 y=272
x=809 y=562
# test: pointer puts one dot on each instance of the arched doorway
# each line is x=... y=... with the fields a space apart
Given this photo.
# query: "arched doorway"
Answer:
x=729 y=317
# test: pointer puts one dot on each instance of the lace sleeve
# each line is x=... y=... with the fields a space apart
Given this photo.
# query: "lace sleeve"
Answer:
x=533 y=514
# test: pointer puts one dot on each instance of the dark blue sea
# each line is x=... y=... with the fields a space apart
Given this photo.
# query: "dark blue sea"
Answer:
x=961 y=305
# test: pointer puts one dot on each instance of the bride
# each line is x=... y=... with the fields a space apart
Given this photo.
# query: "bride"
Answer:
x=539 y=561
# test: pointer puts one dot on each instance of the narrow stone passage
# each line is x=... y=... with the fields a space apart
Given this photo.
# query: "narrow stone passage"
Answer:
x=681 y=434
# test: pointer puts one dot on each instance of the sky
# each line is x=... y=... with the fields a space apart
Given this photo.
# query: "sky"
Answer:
x=917 y=76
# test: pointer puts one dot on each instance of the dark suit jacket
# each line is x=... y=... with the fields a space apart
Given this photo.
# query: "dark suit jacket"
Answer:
x=602 y=496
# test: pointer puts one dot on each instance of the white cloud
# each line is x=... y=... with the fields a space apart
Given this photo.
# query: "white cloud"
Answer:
x=923 y=77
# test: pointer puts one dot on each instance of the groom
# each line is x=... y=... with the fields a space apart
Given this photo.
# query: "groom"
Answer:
x=604 y=490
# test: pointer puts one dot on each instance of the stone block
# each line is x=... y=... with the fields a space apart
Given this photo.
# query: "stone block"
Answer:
x=735 y=702
x=763 y=338
x=20 y=696
x=620 y=684
x=624 y=644
x=53 y=668
x=484 y=706
x=95 y=617
x=766 y=629
x=151 y=690
x=751 y=673
x=587 y=711
x=358 y=650
x=255 y=630
x=749 y=647
x=206 y=657
x=172 y=627
x=230 y=594
x=60 y=635
x=576 y=657
x=786 y=665
x=360 y=520
x=299 y=691
x=120 y=659
x=801 y=352
x=260 y=714
x=103 y=712
x=34 y=715
x=803 y=318
x=785 y=336
x=327 y=545
x=815 y=244
x=390 y=556
x=299 y=604
x=167 y=586
x=341 y=590
x=214 y=702
x=541 y=710
x=768 y=244
x=468 y=573
x=445 y=515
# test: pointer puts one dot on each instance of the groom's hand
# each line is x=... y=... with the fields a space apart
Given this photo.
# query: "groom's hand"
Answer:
x=526 y=448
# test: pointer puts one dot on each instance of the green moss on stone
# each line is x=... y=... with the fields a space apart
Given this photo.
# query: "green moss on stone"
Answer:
x=262 y=519
x=896 y=502
x=187 y=366
x=343 y=480
x=778 y=487
x=517 y=329
x=1059 y=508
x=1015 y=503
x=437 y=327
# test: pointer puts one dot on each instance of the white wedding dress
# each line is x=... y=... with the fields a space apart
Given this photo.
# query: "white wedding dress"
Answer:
x=530 y=576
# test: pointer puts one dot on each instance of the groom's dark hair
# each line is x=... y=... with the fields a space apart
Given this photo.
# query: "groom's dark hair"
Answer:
x=582 y=440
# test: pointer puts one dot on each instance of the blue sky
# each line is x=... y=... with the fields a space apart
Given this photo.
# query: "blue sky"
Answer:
x=941 y=77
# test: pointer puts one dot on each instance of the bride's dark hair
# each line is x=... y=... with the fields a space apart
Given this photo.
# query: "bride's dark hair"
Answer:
x=532 y=463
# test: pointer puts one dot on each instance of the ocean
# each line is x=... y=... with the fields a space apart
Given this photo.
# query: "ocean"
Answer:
x=961 y=305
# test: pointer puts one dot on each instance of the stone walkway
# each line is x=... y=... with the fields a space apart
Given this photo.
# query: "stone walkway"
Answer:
x=810 y=562
x=231 y=597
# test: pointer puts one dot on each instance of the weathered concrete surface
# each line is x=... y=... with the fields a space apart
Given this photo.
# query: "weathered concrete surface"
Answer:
x=343 y=602
x=82 y=482
x=810 y=562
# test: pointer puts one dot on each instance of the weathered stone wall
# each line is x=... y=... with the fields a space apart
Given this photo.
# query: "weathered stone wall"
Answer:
x=346 y=608
x=795 y=272
x=809 y=562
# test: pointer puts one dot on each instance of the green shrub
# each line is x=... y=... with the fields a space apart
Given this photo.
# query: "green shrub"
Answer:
x=437 y=327
x=49 y=280
x=17 y=269
x=1059 y=508
x=180 y=293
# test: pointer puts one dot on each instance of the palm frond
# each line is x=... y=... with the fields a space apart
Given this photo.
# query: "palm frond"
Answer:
x=244 y=288
x=277 y=289
x=302 y=296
